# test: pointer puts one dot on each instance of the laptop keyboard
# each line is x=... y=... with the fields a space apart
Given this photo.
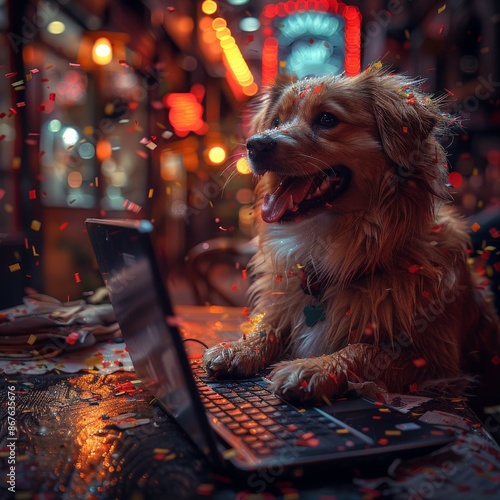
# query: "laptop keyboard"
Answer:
x=267 y=424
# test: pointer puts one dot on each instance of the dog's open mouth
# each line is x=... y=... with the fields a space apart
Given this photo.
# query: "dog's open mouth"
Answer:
x=298 y=195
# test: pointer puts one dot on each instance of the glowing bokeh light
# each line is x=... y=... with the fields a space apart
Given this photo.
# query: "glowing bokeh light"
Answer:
x=243 y=166
x=56 y=27
x=217 y=154
x=102 y=53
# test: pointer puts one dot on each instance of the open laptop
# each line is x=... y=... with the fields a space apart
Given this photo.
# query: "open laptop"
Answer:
x=236 y=422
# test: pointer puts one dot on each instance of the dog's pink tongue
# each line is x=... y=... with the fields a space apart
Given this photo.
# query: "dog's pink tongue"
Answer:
x=277 y=203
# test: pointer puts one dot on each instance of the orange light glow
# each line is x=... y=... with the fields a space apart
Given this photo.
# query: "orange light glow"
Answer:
x=185 y=113
x=239 y=72
x=103 y=150
x=102 y=53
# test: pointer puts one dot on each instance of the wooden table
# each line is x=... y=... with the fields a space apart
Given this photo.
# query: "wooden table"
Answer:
x=102 y=436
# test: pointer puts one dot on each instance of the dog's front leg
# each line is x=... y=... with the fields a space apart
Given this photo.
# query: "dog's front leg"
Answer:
x=314 y=379
x=262 y=346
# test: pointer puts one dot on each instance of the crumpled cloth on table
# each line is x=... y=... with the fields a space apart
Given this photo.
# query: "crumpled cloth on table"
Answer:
x=44 y=327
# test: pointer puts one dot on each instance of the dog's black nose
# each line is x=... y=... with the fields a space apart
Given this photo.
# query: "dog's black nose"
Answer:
x=260 y=144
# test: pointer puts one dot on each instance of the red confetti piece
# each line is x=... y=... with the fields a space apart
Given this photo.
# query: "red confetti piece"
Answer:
x=32 y=194
x=72 y=338
x=475 y=227
x=63 y=226
x=131 y=206
x=383 y=441
x=413 y=387
x=52 y=96
x=455 y=179
x=405 y=130
x=448 y=91
x=279 y=278
x=413 y=269
x=495 y=233
x=495 y=360
x=77 y=277
x=244 y=274
x=312 y=442
x=11 y=75
x=420 y=362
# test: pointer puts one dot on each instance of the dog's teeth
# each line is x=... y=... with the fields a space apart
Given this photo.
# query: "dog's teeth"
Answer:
x=290 y=204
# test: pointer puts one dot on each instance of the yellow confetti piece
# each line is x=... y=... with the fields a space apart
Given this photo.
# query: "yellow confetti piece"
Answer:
x=36 y=225
x=342 y=431
x=393 y=433
x=442 y=9
x=161 y=450
x=326 y=400
x=160 y=125
x=16 y=162
x=93 y=361
x=231 y=452
x=384 y=410
x=150 y=193
x=377 y=65
x=31 y=339
x=407 y=34
x=15 y=267
x=170 y=457
x=35 y=254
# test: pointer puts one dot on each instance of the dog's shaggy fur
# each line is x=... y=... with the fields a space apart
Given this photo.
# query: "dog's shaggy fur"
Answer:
x=362 y=273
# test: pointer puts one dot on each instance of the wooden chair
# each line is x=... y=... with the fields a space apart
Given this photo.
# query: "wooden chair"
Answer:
x=217 y=270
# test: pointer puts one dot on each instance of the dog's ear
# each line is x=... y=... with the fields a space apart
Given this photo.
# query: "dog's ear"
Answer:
x=407 y=119
x=264 y=102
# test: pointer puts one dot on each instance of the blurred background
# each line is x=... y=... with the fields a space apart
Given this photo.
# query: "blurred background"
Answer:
x=138 y=109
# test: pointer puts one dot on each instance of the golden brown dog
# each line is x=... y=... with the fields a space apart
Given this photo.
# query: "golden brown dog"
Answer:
x=362 y=273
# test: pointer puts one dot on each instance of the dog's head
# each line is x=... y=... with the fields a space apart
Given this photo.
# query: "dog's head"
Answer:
x=337 y=144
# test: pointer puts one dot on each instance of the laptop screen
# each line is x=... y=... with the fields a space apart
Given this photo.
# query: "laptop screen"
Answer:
x=125 y=255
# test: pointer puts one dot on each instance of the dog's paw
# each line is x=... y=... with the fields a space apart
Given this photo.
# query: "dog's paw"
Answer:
x=307 y=380
x=231 y=359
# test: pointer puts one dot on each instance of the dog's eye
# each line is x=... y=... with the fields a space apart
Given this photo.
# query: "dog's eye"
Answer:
x=327 y=120
x=276 y=121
